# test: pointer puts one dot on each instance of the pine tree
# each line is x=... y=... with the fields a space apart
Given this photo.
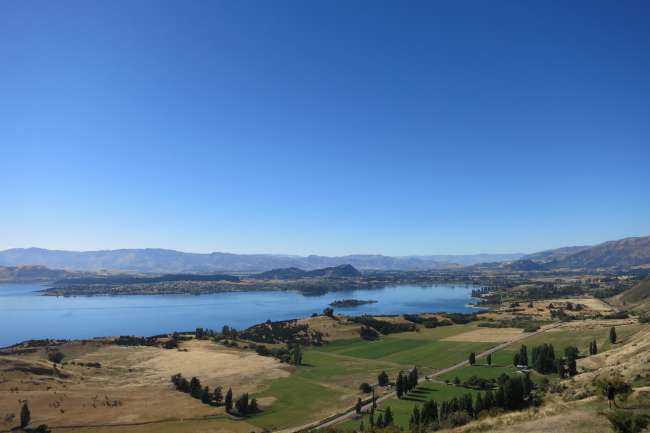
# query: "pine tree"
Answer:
x=217 y=396
x=595 y=347
x=472 y=358
x=242 y=404
x=488 y=401
x=206 y=397
x=399 y=385
x=371 y=418
x=478 y=405
x=489 y=359
x=380 y=421
x=358 y=406
x=612 y=335
x=523 y=355
x=388 y=417
x=253 y=407
x=228 y=402
x=414 y=423
x=560 y=368
x=361 y=426
x=572 y=367
x=25 y=416
x=195 y=388
x=297 y=355
x=515 y=359
x=382 y=379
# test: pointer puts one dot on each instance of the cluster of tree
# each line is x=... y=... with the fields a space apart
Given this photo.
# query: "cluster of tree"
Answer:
x=567 y=366
x=482 y=383
x=291 y=354
x=194 y=388
x=204 y=333
x=129 y=340
x=286 y=331
x=228 y=332
x=243 y=405
x=55 y=356
x=543 y=359
x=522 y=322
x=382 y=421
x=382 y=326
x=406 y=382
x=368 y=333
x=521 y=357
x=428 y=322
x=246 y=406
x=617 y=315
x=513 y=393
x=460 y=318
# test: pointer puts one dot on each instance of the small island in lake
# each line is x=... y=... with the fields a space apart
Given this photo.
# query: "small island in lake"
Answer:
x=343 y=303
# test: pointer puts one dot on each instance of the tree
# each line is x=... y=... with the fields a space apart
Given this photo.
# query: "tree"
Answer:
x=472 y=358
x=25 y=416
x=217 y=396
x=195 y=388
x=358 y=406
x=253 y=406
x=388 y=417
x=361 y=426
x=380 y=421
x=228 y=401
x=55 y=356
x=329 y=312
x=478 y=406
x=206 y=397
x=523 y=355
x=297 y=355
x=489 y=359
x=612 y=335
x=515 y=359
x=399 y=383
x=572 y=367
x=242 y=404
x=382 y=379
x=365 y=388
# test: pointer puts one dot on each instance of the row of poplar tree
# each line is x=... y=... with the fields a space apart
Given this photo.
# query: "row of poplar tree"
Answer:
x=513 y=393
x=243 y=405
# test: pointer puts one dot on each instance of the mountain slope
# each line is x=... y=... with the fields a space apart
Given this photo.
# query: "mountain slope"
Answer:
x=636 y=297
x=626 y=252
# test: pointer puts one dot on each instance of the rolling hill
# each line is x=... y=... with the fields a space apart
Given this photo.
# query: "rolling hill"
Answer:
x=635 y=298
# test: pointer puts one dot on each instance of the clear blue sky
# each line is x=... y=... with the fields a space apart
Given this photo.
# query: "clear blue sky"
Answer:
x=326 y=127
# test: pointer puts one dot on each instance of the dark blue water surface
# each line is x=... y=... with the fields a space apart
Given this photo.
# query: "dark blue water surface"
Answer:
x=26 y=314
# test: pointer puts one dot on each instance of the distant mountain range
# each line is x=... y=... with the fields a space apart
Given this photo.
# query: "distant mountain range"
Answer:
x=170 y=261
x=623 y=253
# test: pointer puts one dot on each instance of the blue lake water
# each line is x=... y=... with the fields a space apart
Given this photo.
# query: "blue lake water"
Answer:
x=25 y=314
